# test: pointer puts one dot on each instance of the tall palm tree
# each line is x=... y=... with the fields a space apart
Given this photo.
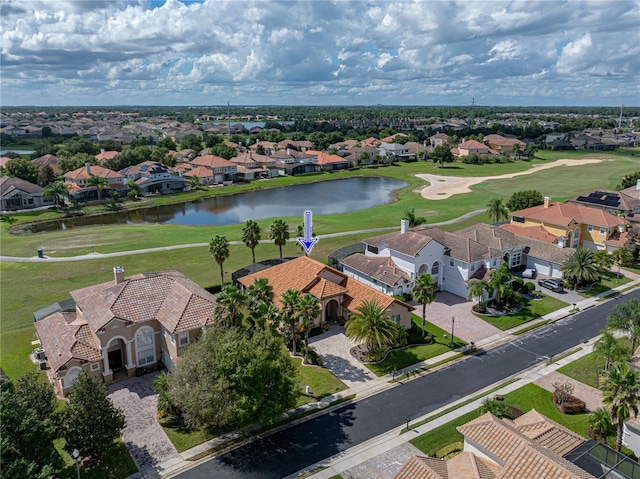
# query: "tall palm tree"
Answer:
x=609 y=346
x=625 y=317
x=413 y=219
x=371 y=324
x=580 y=267
x=600 y=424
x=279 y=233
x=59 y=189
x=290 y=312
x=621 y=395
x=264 y=314
x=309 y=310
x=499 y=282
x=497 y=210
x=219 y=248
x=228 y=305
x=251 y=236
x=424 y=292
x=476 y=290
x=99 y=182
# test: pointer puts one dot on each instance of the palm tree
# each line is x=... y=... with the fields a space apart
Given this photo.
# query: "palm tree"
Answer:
x=260 y=292
x=251 y=237
x=228 y=305
x=621 y=395
x=476 y=290
x=59 y=190
x=625 y=317
x=622 y=257
x=499 y=282
x=609 y=346
x=219 y=248
x=413 y=219
x=309 y=310
x=600 y=426
x=371 y=324
x=497 y=210
x=580 y=267
x=279 y=233
x=99 y=182
x=263 y=314
x=290 y=312
x=424 y=292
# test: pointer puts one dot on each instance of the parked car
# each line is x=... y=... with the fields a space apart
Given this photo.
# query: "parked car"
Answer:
x=551 y=284
x=529 y=273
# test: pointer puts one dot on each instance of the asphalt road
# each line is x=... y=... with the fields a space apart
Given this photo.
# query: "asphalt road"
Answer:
x=285 y=452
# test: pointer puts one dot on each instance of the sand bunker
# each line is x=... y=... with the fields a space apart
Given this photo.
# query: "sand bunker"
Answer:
x=443 y=187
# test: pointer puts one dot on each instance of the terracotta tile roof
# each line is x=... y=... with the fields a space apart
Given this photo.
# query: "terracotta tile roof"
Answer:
x=169 y=297
x=547 y=433
x=325 y=158
x=530 y=461
x=4 y=160
x=382 y=269
x=95 y=170
x=310 y=276
x=106 y=155
x=618 y=239
x=565 y=214
x=537 y=232
x=199 y=171
x=63 y=337
x=466 y=145
x=211 y=161
x=463 y=466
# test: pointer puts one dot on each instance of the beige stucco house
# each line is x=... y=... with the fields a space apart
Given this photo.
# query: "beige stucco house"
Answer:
x=113 y=328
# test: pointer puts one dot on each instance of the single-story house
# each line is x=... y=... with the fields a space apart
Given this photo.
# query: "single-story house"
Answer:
x=337 y=293
x=18 y=194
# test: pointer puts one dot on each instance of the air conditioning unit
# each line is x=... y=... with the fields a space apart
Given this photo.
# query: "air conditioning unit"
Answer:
x=42 y=365
x=39 y=354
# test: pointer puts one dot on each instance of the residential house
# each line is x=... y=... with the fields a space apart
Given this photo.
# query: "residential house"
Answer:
x=111 y=329
x=223 y=170
x=472 y=147
x=531 y=446
x=395 y=152
x=77 y=180
x=47 y=160
x=570 y=225
x=371 y=141
x=17 y=194
x=337 y=293
x=504 y=145
x=330 y=162
x=153 y=178
x=250 y=168
x=106 y=157
x=615 y=202
x=438 y=139
x=204 y=174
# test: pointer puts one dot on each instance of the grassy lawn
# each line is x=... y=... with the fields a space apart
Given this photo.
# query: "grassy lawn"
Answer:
x=605 y=285
x=585 y=369
x=116 y=464
x=532 y=309
x=402 y=358
x=526 y=398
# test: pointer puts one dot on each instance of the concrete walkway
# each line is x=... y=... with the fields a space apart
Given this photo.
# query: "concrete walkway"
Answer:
x=591 y=396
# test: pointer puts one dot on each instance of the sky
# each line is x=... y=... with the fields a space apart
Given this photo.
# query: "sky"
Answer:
x=318 y=52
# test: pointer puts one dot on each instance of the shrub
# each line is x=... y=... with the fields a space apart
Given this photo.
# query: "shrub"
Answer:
x=572 y=406
x=518 y=284
x=450 y=450
x=530 y=286
x=496 y=407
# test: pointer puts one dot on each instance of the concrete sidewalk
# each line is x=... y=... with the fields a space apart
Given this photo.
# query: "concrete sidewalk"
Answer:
x=382 y=444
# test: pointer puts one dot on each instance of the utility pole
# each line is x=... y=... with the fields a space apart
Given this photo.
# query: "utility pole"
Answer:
x=228 y=123
x=473 y=111
x=620 y=119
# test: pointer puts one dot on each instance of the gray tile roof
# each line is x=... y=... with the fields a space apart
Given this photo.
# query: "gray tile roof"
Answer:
x=382 y=269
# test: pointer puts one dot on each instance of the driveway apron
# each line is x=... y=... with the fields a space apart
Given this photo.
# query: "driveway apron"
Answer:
x=146 y=441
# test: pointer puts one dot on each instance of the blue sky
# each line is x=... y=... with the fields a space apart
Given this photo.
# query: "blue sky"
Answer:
x=317 y=52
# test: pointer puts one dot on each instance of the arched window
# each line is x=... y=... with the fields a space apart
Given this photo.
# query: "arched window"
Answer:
x=145 y=346
x=576 y=238
x=71 y=376
x=435 y=269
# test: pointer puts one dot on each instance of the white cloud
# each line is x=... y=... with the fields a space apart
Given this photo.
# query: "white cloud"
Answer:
x=333 y=51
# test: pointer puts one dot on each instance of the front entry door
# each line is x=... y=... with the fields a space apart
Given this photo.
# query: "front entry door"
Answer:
x=115 y=359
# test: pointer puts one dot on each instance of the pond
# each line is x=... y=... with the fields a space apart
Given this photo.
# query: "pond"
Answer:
x=322 y=198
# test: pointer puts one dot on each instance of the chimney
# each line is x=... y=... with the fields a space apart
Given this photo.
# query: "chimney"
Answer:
x=637 y=184
x=561 y=241
x=118 y=273
x=404 y=226
x=288 y=152
x=547 y=201
x=87 y=167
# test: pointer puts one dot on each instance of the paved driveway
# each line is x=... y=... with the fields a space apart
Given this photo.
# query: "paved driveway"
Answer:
x=146 y=441
x=467 y=326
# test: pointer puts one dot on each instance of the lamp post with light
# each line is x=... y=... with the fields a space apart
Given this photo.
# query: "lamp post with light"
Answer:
x=76 y=455
x=453 y=323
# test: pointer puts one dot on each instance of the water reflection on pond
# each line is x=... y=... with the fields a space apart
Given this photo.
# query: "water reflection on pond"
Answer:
x=328 y=197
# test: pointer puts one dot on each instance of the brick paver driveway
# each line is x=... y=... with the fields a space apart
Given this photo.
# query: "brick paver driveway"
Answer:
x=467 y=326
x=146 y=441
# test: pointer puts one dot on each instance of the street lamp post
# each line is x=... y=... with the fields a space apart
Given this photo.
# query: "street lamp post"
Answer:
x=619 y=265
x=453 y=323
x=76 y=455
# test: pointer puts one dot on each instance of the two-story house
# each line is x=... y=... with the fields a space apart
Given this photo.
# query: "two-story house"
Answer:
x=112 y=328
x=472 y=147
x=438 y=139
x=222 y=169
x=18 y=194
x=570 y=225
x=153 y=177
x=395 y=152
x=77 y=180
